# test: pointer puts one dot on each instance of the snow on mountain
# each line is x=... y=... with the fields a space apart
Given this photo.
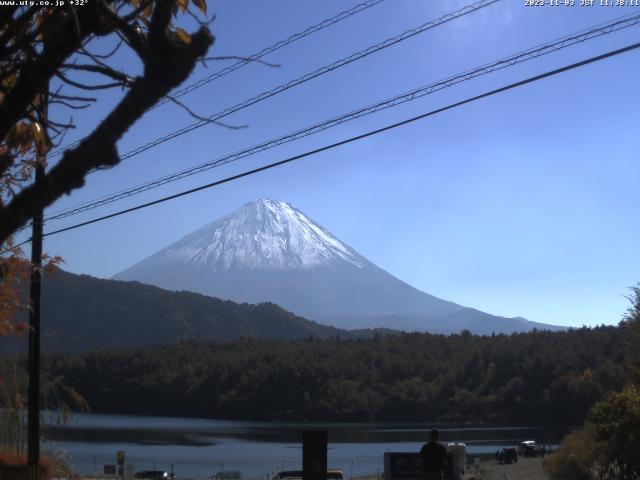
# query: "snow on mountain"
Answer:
x=263 y=235
x=270 y=251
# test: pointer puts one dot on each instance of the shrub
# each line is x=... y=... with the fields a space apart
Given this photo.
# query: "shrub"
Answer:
x=613 y=471
x=580 y=450
x=14 y=467
x=617 y=424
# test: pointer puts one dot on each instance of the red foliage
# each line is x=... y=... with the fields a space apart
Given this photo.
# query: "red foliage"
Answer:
x=14 y=467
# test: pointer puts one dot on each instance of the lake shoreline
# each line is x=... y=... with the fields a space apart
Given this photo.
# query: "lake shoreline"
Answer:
x=199 y=448
x=489 y=469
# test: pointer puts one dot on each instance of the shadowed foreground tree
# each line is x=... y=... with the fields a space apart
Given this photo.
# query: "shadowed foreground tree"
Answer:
x=608 y=445
x=632 y=323
x=58 y=401
x=49 y=55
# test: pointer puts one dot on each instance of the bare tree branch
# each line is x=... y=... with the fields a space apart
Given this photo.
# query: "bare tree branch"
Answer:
x=131 y=36
x=203 y=23
x=72 y=98
x=202 y=117
x=121 y=77
x=60 y=125
x=82 y=86
x=7 y=49
x=62 y=41
x=70 y=105
x=59 y=137
x=96 y=60
x=244 y=59
x=137 y=11
x=102 y=56
x=99 y=148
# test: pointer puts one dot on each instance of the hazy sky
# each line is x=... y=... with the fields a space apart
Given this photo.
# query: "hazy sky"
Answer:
x=522 y=204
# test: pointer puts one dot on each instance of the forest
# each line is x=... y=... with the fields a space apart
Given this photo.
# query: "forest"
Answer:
x=536 y=378
x=81 y=313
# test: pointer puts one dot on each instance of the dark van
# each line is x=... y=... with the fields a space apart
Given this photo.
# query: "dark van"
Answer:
x=152 y=474
x=508 y=455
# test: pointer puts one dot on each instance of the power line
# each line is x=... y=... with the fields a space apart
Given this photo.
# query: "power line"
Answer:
x=351 y=139
x=277 y=46
x=310 y=76
x=252 y=58
x=534 y=52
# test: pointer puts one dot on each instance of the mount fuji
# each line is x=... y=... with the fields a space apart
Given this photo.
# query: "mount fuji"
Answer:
x=270 y=251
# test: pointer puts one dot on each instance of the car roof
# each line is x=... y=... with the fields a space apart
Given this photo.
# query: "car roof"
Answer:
x=298 y=473
x=151 y=473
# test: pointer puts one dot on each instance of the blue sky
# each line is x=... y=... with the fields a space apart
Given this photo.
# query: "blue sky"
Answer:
x=522 y=204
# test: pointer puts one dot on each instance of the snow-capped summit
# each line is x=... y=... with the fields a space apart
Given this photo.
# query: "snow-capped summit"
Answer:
x=262 y=235
x=270 y=251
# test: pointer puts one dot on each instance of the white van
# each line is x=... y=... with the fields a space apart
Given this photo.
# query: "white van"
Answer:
x=332 y=474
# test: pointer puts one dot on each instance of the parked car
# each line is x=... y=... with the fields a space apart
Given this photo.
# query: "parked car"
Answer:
x=507 y=455
x=534 y=450
x=230 y=475
x=332 y=474
x=152 y=474
x=288 y=475
x=335 y=474
x=524 y=445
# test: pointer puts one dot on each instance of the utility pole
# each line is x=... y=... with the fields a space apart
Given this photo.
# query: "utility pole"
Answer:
x=33 y=413
x=33 y=416
x=314 y=455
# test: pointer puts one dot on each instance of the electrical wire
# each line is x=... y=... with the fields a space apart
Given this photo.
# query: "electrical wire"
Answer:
x=351 y=139
x=277 y=46
x=529 y=54
x=310 y=76
x=252 y=58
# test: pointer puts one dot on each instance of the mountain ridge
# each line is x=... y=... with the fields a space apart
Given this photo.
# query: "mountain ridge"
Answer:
x=270 y=251
x=81 y=313
x=276 y=243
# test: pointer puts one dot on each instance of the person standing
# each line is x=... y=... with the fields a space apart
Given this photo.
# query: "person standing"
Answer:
x=434 y=456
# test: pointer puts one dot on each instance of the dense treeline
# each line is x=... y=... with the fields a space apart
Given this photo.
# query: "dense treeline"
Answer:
x=532 y=378
x=607 y=446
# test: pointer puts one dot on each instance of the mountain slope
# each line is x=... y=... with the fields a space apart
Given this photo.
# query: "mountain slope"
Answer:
x=80 y=313
x=270 y=251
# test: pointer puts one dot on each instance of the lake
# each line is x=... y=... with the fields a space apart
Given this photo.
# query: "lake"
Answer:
x=198 y=448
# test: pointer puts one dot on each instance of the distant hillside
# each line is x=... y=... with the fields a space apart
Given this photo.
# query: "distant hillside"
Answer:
x=271 y=251
x=80 y=313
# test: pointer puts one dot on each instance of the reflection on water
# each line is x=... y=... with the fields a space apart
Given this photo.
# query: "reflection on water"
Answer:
x=198 y=448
